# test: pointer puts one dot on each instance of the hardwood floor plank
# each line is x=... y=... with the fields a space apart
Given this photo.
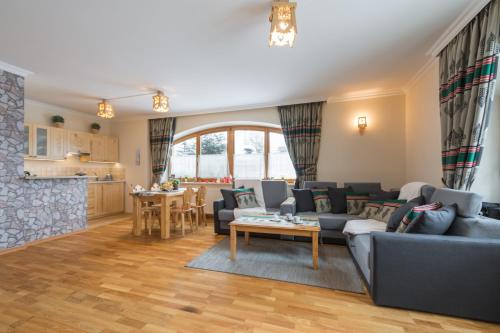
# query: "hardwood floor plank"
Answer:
x=105 y=280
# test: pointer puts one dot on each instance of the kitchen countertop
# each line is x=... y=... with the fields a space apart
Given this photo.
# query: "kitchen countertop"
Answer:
x=56 y=177
x=105 y=181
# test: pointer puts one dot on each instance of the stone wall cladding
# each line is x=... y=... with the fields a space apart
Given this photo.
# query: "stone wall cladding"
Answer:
x=31 y=209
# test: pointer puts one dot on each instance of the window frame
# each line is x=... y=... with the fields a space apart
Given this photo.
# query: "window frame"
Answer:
x=230 y=144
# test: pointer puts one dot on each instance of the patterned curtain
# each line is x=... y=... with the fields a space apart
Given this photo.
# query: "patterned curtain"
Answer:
x=468 y=68
x=161 y=141
x=301 y=124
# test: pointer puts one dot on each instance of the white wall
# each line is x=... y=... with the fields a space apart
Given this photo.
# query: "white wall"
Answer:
x=376 y=156
x=134 y=137
x=423 y=129
x=41 y=113
x=423 y=138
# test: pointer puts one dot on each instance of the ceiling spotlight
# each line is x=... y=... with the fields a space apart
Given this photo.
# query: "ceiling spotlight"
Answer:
x=105 y=110
x=160 y=102
x=283 y=25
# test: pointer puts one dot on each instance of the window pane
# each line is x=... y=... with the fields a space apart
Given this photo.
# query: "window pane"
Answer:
x=213 y=155
x=249 y=154
x=280 y=164
x=183 y=162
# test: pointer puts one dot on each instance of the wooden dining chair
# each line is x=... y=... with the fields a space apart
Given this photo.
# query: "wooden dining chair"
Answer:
x=185 y=211
x=150 y=210
x=199 y=206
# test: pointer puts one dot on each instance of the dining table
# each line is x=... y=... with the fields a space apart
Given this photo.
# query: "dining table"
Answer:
x=165 y=199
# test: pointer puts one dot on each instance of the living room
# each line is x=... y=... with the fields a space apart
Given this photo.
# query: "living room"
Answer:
x=249 y=166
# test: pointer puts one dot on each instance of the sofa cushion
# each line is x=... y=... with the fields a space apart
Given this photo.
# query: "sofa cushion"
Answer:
x=433 y=222
x=321 y=200
x=331 y=221
x=468 y=203
x=397 y=216
x=476 y=227
x=226 y=214
x=275 y=192
x=229 y=199
x=364 y=187
x=427 y=191
x=384 y=214
x=384 y=195
x=371 y=208
x=315 y=184
x=303 y=200
x=338 y=199
x=359 y=246
x=415 y=213
x=246 y=198
x=356 y=202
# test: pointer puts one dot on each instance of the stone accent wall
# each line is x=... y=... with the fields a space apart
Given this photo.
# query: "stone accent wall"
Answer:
x=31 y=209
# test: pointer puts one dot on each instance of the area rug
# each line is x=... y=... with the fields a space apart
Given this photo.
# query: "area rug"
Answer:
x=288 y=261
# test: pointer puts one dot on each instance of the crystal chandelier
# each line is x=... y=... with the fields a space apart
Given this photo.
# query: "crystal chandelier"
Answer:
x=283 y=25
x=160 y=102
x=105 y=110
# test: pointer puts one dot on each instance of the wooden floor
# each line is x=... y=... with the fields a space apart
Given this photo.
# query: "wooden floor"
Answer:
x=105 y=280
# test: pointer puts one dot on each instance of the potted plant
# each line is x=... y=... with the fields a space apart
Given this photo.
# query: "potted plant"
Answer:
x=94 y=128
x=175 y=184
x=58 y=121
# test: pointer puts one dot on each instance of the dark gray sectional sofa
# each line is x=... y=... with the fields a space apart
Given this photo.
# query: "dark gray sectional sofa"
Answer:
x=275 y=194
x=455 y=274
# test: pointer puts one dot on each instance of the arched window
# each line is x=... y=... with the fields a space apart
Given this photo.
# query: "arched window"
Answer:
x=240 y=151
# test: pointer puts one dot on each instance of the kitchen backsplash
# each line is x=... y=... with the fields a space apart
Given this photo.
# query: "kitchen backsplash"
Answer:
x=72 y=165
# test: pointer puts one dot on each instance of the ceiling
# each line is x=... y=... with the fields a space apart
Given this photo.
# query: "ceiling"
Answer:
x=213 y=55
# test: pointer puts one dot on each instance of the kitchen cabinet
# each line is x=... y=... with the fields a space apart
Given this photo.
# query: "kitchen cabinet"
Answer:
x=113 y=198
x=98 y=148
x=36 y=141
x=57 y=143
x=94 y=200
x=78 y=142
x=28 y=140
x=51 y=143
x=103 y=148
x=112 y=149
x=105 y=198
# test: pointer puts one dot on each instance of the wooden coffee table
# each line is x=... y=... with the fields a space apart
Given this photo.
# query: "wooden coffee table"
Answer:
x=265 y=225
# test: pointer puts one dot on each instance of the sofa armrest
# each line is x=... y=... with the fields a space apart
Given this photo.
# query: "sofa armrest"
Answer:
x=288 y=206
x=218 y=205
x=441 y=274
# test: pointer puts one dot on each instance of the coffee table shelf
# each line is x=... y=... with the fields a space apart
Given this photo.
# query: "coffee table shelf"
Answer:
x=267 y=225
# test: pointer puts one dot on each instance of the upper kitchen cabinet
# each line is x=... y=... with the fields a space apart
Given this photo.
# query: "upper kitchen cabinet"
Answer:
x=97 y=148
x=58 y=143
x=103 y=148
x=36 y=141
x=51 y=143
x=112 y=149
x=78 y=142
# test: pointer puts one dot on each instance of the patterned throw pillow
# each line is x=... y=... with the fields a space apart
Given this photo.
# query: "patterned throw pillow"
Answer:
x=321 y=200
x=245 y=198
x=371 y=208
x=356 y=202
x=390 y=206
x=415 y=213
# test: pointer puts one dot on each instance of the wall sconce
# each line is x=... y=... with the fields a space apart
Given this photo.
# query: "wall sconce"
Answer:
x=362 y=124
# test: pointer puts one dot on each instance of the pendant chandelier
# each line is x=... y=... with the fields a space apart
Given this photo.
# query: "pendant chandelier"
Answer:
x=105 y=110
x=283 y=24
x=160 y=104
